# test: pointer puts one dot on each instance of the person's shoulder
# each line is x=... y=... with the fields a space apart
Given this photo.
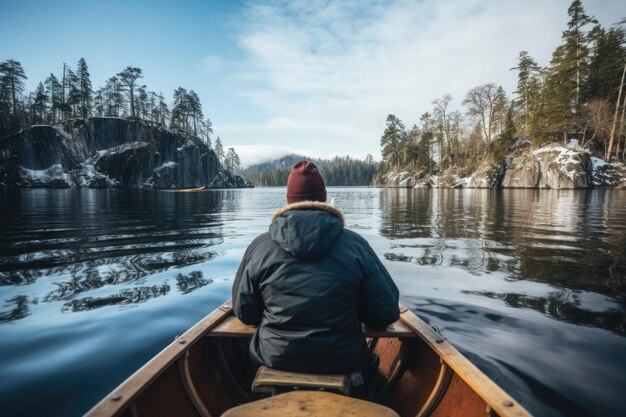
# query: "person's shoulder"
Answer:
x=259 y=240
x=354 y=237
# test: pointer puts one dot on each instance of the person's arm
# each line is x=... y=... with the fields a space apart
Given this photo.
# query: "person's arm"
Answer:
x=247 y=299
x=379 y=296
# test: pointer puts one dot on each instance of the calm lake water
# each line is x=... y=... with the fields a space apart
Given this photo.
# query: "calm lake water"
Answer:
x=529 y=284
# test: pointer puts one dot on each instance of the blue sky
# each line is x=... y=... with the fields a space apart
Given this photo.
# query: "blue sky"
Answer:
x=313 y=76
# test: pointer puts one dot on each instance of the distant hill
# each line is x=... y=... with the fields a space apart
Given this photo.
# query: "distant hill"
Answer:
x=339 y=171
x=286 y=161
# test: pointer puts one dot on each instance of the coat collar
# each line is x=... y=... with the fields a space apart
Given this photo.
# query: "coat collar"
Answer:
x=310 y=205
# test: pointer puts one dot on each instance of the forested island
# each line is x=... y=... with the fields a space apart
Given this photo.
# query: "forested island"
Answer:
x=65 y=134
x=564 y=128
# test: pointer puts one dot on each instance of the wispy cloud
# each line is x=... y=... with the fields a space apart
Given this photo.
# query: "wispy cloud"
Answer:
x=328 y=73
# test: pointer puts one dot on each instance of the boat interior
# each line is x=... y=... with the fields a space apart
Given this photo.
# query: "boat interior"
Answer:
x=200 y=375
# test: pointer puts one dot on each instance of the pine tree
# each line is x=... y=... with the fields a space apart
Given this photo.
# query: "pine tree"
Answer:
x=528 y=71
x=164 y=111
x=128 y=77
x=11 y=79
x=236 y=162
x=180 y=109
x=425 y=144
x=194 y=109
x=232 y=162
x=412 y=146
x=53 y=90
x=152 y=110
x=568 y=73
x=391 y=142
x=500 y=111
x=141 y=102
x=112 y=97
x=207 y=131
x=85 y=90
x=39 y=105
x=98 y=103
x=219 y=150
x=506 y=137
x=607 y=60
x=73 y=93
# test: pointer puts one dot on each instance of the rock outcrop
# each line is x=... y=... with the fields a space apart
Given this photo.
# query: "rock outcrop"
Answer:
x=550 y=167
x=110 y=152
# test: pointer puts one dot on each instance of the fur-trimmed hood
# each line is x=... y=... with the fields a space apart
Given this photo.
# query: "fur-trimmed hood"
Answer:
x=309 y=205
x=307 y=229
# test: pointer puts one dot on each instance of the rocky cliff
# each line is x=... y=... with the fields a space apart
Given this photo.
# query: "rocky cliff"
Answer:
x=552 y=166
x=110 y=152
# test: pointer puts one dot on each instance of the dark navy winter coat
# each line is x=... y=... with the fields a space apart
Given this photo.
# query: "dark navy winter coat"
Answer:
x=308 y=284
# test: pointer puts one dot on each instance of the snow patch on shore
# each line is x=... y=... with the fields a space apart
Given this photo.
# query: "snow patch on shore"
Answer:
x=45 y=176
x=89 y=176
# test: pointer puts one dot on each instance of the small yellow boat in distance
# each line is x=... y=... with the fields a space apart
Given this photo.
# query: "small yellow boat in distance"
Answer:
x=197 y=375
x=188 y=190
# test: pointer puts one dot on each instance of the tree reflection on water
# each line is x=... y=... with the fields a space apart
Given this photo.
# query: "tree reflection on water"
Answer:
x=17 y=308
x=572 y=240
x=131 y=296
x=191 y=282
x=559 y=237
x=90 y=240
x=563 y=305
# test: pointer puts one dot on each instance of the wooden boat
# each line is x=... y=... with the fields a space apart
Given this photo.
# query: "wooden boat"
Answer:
x=196 y=375
x=187 y=190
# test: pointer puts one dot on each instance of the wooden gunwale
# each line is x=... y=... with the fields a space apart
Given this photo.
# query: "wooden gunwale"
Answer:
x=495 y=397
x=117 y=401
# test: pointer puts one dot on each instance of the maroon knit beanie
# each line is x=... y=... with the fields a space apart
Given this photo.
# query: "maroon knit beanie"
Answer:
x=305 y=183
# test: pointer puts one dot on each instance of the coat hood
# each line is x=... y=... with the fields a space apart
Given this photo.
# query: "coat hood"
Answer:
x=306 y=230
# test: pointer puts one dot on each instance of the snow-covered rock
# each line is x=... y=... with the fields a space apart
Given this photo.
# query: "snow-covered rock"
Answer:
x=88 y=176
x=109 y=152
x=404 y=179
x=551 y=166
x=486 y=176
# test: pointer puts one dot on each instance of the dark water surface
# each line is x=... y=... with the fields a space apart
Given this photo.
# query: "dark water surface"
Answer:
x=529 y=284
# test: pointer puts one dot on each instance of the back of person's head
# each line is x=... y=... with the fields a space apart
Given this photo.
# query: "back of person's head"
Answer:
x=305 y=183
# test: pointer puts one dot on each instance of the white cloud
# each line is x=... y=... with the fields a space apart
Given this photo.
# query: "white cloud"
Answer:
x=328 y=73
x=211 y=63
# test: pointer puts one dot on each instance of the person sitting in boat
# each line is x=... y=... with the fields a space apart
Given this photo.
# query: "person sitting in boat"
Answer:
x=308 y=284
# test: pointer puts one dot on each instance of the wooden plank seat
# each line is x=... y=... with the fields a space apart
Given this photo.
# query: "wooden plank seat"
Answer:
x=310 y=404
x=233 y=327
x=268 y=380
